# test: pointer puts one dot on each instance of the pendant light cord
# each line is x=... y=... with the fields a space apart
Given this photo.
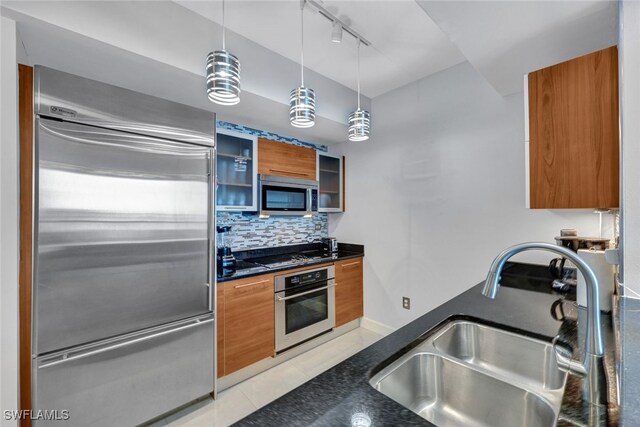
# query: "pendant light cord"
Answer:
x=302 y=43
x=224 y=44
x=358 y=73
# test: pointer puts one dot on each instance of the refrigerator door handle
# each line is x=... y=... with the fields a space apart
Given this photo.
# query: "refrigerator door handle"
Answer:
x=68 y=357
x=209 y=296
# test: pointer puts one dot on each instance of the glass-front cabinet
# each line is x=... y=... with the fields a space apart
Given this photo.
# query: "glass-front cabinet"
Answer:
x=236 y=171
x=330 y=175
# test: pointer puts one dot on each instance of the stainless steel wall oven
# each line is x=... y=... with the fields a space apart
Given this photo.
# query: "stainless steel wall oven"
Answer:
x=304 y=306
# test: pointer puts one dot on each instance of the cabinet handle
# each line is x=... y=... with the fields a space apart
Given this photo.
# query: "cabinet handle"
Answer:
x=279 y=298
x=350 y=264
x=287 y=172
x=249 y=284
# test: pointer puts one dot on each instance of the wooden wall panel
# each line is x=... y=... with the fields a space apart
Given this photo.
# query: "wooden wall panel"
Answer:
x=25 y=112
x=220 y=330
x=574 y=133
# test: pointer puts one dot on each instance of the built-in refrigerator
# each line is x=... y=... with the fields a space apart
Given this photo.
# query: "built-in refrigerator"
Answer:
x=123 y=322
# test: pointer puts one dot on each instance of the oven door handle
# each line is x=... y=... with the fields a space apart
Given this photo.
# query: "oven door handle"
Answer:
x=279 y=298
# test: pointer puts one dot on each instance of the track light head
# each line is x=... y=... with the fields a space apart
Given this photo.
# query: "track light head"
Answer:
x=336 y=32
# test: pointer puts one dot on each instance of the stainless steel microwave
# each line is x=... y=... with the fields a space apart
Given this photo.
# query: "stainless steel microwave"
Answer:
x=287 y=196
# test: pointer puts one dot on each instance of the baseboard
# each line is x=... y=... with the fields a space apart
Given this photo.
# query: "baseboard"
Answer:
x=375 y=326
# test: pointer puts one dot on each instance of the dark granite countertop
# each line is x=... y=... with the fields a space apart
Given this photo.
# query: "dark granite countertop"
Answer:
x=345 y=251
x=629 y=358
x=333 y=397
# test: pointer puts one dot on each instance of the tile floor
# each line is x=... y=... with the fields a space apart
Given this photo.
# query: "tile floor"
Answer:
x=242 y=399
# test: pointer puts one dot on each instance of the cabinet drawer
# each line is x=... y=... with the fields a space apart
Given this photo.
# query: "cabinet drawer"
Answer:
x=102 y=385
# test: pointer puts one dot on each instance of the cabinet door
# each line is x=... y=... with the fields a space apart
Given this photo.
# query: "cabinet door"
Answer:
x=236 y=171
x=249 y=322
x=349 y=304
x=574 y=135
x=330 y=175
x=280 y=159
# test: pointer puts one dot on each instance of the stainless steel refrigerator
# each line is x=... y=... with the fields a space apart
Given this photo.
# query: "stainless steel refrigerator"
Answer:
x=123 y=324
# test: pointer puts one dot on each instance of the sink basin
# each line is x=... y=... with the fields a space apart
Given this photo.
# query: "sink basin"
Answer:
x=448 y=393
x=469 y=374
x=505 y=353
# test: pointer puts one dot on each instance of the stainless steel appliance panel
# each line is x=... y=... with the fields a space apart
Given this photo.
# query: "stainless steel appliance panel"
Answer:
x=304 y=306
x=287 y=196
x=76 y=99
x=130 y=380
x=123 y=233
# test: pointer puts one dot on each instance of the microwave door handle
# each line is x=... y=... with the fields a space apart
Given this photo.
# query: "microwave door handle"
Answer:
x=279 y=298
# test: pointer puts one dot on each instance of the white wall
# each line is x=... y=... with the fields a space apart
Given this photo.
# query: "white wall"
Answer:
x=629 y=66
x=8 y=221
x=438 y=191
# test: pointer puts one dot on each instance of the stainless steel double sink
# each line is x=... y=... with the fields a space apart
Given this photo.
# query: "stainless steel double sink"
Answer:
x=470 y=374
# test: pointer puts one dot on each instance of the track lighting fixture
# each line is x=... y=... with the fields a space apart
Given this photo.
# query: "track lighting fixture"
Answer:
x=359 y=120
x=223 y=74
x=336 y=32
x=302 y=100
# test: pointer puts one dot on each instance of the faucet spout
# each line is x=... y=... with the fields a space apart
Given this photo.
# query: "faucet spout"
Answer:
x=592 y=365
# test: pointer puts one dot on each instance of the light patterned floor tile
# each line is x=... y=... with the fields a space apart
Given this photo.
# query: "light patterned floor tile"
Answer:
x=239 y=401
x=271 y=384
x=231 y=406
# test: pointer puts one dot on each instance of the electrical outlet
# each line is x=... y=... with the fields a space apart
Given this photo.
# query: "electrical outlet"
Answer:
x=318 y=227
x=406 y=303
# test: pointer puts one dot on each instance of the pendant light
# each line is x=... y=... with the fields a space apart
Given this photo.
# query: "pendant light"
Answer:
x=223 y=74
x=302 y=101
x=359 y=120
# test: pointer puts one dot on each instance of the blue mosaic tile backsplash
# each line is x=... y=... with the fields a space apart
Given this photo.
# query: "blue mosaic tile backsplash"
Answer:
x=274 y=136
x=251 y=232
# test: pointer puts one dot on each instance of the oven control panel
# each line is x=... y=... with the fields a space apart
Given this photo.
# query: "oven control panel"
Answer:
x=304 y=278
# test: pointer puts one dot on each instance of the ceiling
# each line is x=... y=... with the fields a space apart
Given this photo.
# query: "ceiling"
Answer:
x=504 y=40
x=406 y=44
x=119 y=42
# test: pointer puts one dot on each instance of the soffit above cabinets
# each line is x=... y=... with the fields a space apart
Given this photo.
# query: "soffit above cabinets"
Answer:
x=504 y=40
x=406 y=44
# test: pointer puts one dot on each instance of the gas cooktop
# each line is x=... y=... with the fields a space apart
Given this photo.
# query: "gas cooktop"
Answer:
x=287 y=260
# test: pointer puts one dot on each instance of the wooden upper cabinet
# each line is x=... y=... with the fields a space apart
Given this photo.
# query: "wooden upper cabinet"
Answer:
x=281 y=159
x=574 y=135
x=349 y=292
x=248 y=325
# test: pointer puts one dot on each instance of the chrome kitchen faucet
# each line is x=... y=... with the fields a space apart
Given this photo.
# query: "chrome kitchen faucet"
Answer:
x=591 y=369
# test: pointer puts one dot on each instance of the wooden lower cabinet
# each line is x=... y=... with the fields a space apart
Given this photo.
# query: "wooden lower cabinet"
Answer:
x=246 y=322
x=349 y=303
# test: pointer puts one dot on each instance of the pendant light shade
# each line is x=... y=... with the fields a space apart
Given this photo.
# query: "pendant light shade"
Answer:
x=359 y=120
x=223 y=78
x=302 y=107
x=302 y=100
x=223 y=74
